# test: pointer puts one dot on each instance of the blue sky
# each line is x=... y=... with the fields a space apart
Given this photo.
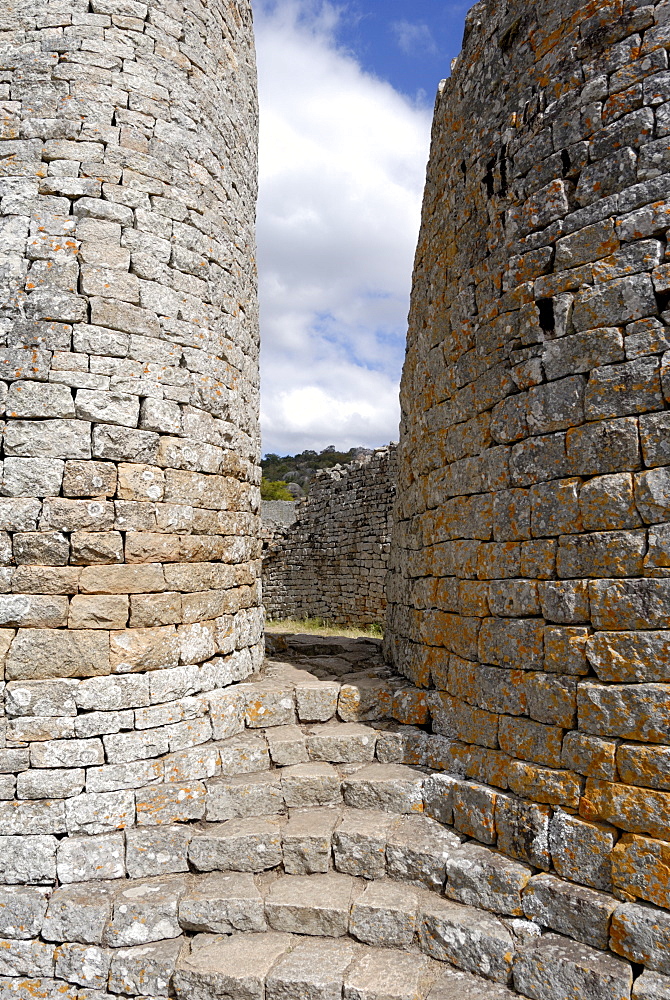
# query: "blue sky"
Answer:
x=410 y=44
x=346 y=98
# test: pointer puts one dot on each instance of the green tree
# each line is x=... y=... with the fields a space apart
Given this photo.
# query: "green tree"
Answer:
x=275 y=490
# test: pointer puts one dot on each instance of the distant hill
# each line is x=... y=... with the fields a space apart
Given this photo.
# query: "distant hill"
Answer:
x=301 y=468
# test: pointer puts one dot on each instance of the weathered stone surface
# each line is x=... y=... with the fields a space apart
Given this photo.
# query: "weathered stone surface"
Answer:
x=84 y=859
x=316 y=904
x=226 y=709
x=468 y=938
x=554 y=967
x=455 y=985
x=240 y=845
x=22 y=911
x=313 y=970
x=171 y=802
x=80 y=912
x=651 y=986
x=641 y=934
x=628 y=657
x=634 y=809
x=581 y=851
x=161 y=850
x=578 y=913
x=306 y=840
x=41 y=653
x=389 y=787
x=287 y=745
x=145 y=969
x=342 y=743
x=477 y=876
x=244 y=796
x=359 y=842
x=222 y=904
x=269 y=705
x=26 y=958
x=364 y=699
x=243 y=754
x=633 y=711
x=629 y=604
x=385 y=915
x=523 y=830
x=438 y=795
x=474 y=811
x=589 y=755
x=145 y=912
x=388 y=975
x=417 y=851
x=644 y=765
x=309 y=785
x=403 y=745
x=639 y=868
x=232 y=966
x=317 y=701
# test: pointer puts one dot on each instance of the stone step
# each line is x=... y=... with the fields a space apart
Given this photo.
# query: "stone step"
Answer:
x=333 y=742
x=361 y=842
x=321 y=688
x=102 y=926
x=121 y=914
x=307 y=645
x=235 y=934
x=97 y=923
x=292 y=968
x=331 y=763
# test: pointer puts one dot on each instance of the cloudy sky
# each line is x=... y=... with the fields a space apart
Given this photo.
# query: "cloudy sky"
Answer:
x=346 y=92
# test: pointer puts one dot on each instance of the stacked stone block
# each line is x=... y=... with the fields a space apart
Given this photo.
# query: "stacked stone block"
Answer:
x=332 y=561
x=529 y=584
x=129 y=386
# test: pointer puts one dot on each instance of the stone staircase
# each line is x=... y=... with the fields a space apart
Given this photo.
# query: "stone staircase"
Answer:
x=311 y=866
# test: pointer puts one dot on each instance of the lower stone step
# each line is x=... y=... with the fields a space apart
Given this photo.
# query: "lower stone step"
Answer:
x=221 y=935
x=277 y=966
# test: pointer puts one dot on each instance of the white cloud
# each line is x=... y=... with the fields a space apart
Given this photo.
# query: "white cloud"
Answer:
x=342 y=168
x=414 y=39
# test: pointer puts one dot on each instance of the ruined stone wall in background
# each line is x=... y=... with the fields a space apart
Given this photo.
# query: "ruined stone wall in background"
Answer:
x=129 y=537
x=531 y=549
x=331 y=562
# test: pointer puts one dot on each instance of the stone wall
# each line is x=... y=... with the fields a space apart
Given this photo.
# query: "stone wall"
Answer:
x=278 y=512
x=129 y=511
x=531 y=546
x=331 y=562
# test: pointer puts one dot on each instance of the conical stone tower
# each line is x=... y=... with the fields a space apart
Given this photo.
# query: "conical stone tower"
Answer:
x=128 y=516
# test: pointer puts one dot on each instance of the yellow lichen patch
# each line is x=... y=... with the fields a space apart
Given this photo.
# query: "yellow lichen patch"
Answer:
x=641 y=867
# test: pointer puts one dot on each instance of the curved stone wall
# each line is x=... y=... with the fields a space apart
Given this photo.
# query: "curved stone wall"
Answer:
x=129 y=510
x=531 y=554
x=331 y=562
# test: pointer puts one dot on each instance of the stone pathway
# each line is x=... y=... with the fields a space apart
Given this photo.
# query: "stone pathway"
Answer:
x=312 y=867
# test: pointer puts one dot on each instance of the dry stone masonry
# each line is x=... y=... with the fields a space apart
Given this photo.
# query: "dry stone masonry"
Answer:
x=531 y=551
x=331 y=562
x=486 y=816
x=129 y=529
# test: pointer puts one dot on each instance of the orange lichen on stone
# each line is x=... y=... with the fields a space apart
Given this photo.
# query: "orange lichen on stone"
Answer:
x=641 y=867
